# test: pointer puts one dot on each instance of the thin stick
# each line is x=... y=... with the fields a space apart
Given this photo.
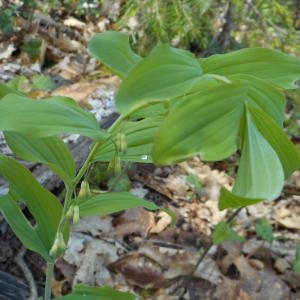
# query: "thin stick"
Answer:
x=187 y=281
x=27 y=273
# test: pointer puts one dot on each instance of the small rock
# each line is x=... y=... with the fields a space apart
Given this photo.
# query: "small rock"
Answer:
x=281 y=265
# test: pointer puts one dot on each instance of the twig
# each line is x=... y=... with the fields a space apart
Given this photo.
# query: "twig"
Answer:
x=253 y=220
x=27 y=273
x=118 y=178
x=182 y=288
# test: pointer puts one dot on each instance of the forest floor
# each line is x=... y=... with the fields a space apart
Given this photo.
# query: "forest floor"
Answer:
x=136 y=250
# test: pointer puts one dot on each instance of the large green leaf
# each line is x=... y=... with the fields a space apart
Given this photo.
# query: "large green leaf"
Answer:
x=265 y=96
x=276 y=137
x=206 y=123
x=43 y=118
x=108 y=203
x=113 y=49
x=83 y=292
x=260 y=174
x=43 y=205
x=139 y=137
x=51 y=151
x=165 y=74
x=271 y=65
x=160 y=109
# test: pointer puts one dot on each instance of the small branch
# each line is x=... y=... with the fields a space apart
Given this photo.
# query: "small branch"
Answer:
x=182 y=288
x=253 y=220
x=119 y=177
x=27 y=273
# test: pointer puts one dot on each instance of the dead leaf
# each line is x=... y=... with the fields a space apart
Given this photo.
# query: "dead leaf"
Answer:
x=136 y=221
x=57 y=287
x=6 y=50
x=72 y=22
x=293 y=222
x=163 y=222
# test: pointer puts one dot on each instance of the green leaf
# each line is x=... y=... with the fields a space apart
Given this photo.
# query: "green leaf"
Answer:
x=260 y=174
x=99 y=173
x=19 y=83
x=220 y=233
x=6 y=89
x=297 y=261
x=51 y=151
x=193 y=179
x=271 y=65
x=108 y=203
x=32 y=48
x=42 y=82
x=83 y=292
x=276 y=137
x=264 y=230
x=233 y=237
x=205 y=119
x=139 y=137
x=228 y=199
x=5 y=25
x=160 y=109
x=43 y=205
x=165 y=74
x=114 y=51
x=123 y=184
x=265 y=96
x=44 y=118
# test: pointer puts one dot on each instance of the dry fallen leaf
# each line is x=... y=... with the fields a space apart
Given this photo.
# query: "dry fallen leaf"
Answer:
x=163 y=222
x=72 y=22
x=57 y=287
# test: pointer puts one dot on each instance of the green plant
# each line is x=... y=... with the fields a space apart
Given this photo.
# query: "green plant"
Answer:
x=172 y=107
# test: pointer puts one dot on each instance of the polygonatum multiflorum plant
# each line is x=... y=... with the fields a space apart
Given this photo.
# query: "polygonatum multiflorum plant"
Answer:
x=172 y=107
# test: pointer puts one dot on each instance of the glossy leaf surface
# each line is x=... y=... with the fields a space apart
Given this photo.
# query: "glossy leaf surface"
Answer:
x=83 y=292
x=164 y=74
x=271 y=65
x=43 y=205
x=51 y=151
x=113 y=50
x=205 y=123
x=139 y=137
x=108 y=203
x=43 y=118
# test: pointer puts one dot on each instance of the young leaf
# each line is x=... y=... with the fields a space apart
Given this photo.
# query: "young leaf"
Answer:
x=193 y=179
x=5 y=89
x=139 y=137
x=271 y=65
x=233 y=237
x=19 y=83
x=220 y=233
x=108 y=203
x=83 y=292
x=263 y=229
x=123 y=184
x=205 y=119
x=114 y=51
x=42 y=82
x=43 y=205
x=5 y=25
x=43 y=118
x=165 y=74
x=32 y=48
x=51 y=151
